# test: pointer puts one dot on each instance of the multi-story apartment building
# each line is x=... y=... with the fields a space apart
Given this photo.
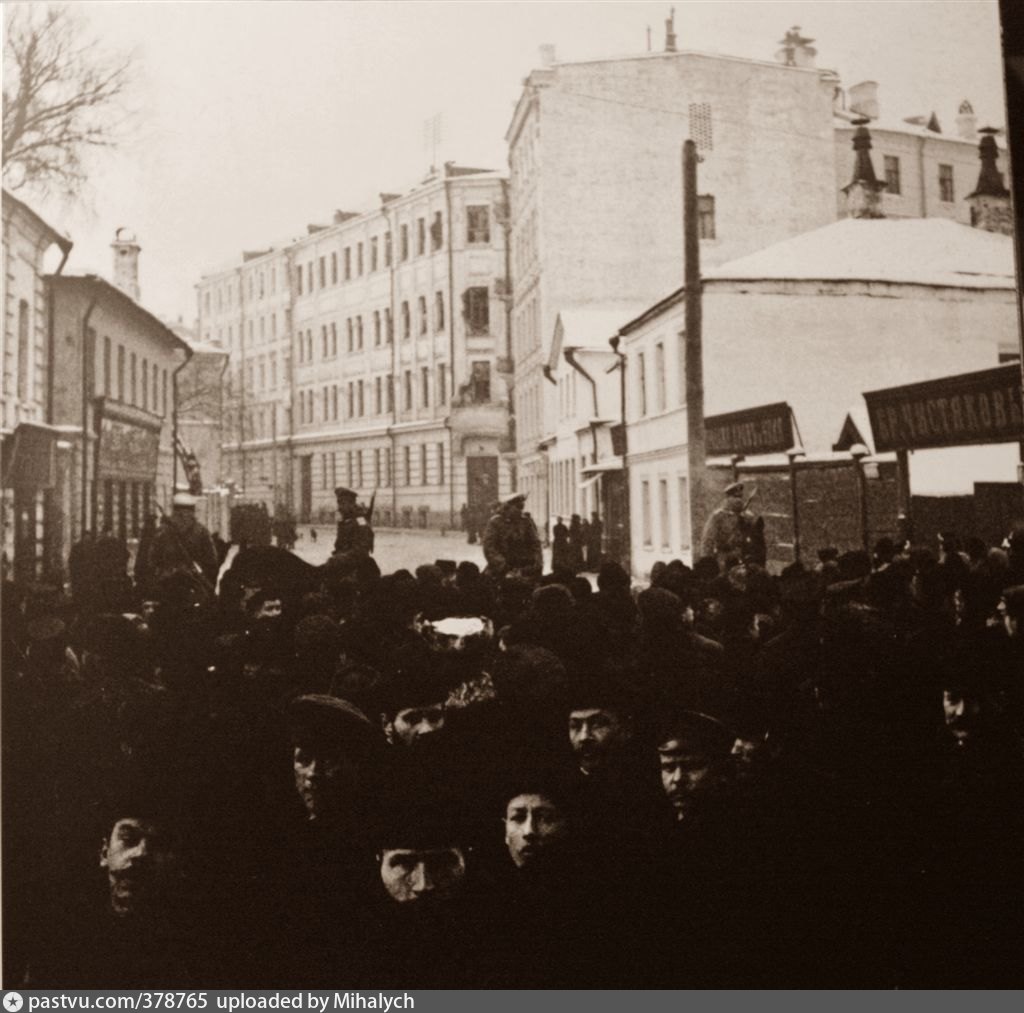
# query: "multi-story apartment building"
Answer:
x=113 y=393
x=596 y=190
x=372 y=353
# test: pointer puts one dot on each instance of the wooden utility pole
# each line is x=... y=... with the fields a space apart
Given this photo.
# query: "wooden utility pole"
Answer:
x=695 y=443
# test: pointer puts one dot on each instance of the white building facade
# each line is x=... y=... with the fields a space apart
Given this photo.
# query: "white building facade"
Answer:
x=856 y=306
x=25 y=381
x=596 y=190
x=372 y=353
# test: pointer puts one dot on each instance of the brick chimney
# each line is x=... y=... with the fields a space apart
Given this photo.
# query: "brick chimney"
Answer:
x=126 y=262
x=990 y=201
x=670 y=32
x=864 y=191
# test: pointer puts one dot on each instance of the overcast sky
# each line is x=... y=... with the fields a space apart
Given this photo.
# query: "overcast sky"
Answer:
x=256 y=118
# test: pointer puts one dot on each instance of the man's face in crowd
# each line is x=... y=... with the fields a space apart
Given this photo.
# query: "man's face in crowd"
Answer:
x=534 y=826
x=749 y=756
x=687 y=774
x=140 y=862
x=596 y=734
x=271 y=608
x=963 y=714
x=184 y=516
x=1011 y=620
x=411 y=724
x=422 y=875
x=734 y=502
x=324 y=778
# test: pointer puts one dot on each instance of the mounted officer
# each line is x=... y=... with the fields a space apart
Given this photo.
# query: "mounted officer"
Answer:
x=355 y=535
x=511 y=541
x=182 y=544
x=732 y=532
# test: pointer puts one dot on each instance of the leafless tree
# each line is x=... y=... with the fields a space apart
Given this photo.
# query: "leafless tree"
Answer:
x=62 y=98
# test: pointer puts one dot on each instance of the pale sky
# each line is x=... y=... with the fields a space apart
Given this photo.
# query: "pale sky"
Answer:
x=256 y=118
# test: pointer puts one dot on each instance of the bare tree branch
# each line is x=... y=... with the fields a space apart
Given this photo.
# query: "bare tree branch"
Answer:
x=61 y=98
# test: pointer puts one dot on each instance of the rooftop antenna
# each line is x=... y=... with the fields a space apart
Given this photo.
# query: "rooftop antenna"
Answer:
x=648 y=38
x=433 y=132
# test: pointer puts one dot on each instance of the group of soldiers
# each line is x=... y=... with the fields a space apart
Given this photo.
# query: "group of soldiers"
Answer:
x=283 y=775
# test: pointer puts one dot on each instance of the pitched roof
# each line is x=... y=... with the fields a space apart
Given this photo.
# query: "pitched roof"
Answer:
x=112 y=292
x=911 y=251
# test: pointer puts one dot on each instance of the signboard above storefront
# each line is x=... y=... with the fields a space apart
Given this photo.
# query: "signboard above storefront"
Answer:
x=29 y=457
x=129 y=443
x=964 y=410
x=767 y=429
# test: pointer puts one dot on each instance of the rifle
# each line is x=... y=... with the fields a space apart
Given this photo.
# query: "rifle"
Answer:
x=197 y=570
x=369 y=509
x=749 y=499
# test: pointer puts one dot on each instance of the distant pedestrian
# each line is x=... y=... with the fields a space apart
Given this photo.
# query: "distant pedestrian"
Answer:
x=594 y=540
x=576 y=543
x=561 y=557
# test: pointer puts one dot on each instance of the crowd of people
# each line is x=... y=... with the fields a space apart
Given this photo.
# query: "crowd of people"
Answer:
x=299 y=776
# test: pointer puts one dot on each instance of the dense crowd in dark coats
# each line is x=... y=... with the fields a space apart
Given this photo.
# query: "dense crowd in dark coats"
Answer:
x=326 y=776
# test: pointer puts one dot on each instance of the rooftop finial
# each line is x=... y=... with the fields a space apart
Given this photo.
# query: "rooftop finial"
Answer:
x=863 y=192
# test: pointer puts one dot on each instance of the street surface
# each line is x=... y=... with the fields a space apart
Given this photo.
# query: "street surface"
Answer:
x=395 y=548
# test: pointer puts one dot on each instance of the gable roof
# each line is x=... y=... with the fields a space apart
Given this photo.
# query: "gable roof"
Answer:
x=111 y=292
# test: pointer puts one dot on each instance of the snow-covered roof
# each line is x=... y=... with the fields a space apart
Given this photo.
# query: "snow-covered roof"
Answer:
x=893 y=125
x=910 y=251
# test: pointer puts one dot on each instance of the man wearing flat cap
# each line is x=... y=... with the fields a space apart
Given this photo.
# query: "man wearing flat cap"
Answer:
x=511 y=542
x=728 y=530
x=355 y=536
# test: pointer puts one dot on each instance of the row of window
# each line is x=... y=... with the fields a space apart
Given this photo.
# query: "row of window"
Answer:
x=529 y=408
x=355 y=260
x=360 y=398
x=132 y=379
x=476 y=307
x=893 y=183
x=261 y=283
x=664 y=537
x=424 y=464
x=526 y=327
x=651 y=378
x=328 y=269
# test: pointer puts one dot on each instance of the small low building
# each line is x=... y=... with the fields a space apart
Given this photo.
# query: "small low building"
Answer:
x=115 y=367
x=859 y=305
